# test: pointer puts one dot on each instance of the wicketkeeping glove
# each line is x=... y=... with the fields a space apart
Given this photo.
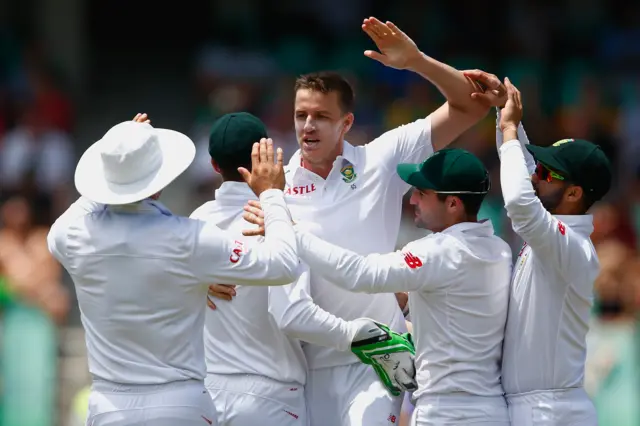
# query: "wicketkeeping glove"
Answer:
x=390 y=354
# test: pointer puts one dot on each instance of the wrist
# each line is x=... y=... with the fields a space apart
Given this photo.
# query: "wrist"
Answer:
x=415 y=61
x=509 y=128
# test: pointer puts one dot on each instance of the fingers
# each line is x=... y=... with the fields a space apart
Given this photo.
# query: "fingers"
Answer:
x=485 y=99
x=262 y=150
x=141 y=118
x=224 y=290
x=280 y=158
x=253 y=232
x=246 y=175
x=257 y=211
x=253 y=218
x=255 y=203
x=491 y=81
x=255 y=156
x=393 y=28
x=375 y=56
x=210 y=304
x=269 y=151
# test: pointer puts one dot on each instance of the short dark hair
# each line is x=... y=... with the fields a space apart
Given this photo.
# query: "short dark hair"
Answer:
x=229 y=169
x=471 y=202
x=326 y=82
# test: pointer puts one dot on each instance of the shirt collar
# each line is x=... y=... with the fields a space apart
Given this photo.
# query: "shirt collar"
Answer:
x=234 y=192
x=581 y=223
x=144 y=206
x=348 y=153
x=483 y=227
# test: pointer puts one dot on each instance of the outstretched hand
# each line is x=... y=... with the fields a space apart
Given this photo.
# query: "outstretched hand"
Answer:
x=397 y=50
x=265 y=174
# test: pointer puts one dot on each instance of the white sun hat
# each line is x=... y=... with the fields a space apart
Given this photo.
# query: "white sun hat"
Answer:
x=131 y=162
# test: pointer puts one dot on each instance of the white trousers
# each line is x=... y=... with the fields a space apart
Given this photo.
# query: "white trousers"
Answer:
x=350 y=395
x=460 y=409
x=565 y=407
x=250 y=400
x=179 y=403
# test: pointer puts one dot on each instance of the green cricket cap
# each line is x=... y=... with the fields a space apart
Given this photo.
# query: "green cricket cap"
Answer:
x=450 y=170
x=580 y=162
x=232 y=137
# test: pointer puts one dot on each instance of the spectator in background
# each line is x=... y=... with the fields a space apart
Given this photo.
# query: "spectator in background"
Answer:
x=34 y=303
x=31 y=274
x=37 y=160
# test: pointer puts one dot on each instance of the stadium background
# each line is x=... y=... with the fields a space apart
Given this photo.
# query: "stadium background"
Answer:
x=71 y=69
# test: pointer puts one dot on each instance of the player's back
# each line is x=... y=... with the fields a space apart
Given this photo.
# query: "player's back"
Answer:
x=241 y=337
x=141 y=307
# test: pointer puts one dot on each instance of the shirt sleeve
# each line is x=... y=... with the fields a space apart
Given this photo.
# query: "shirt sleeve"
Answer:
x=425 y=264
x=299 y=317
x=57 y=236
x=524 y=140
x=409 y=143
x=219 y=258
x=548 y=237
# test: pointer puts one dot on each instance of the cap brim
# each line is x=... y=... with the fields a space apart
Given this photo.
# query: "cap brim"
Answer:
x=546 y=155
x=178 y=152
x=410 y=173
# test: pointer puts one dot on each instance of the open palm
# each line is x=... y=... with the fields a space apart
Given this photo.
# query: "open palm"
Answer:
x=397 y=50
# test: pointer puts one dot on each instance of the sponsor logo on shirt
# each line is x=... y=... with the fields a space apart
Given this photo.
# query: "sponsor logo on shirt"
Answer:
x=300 y=190
x=295 y=416
x=562 y=228
x=392 y=418
x=237 y=252
x=412 y=261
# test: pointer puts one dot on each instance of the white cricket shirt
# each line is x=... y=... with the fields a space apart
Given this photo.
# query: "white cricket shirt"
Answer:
x=141 y=277
x=552 y=288
x=247 y=334
x=357 y=207
x=458 y=281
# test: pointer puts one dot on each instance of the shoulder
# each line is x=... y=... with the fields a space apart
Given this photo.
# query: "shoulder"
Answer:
x=204 y=211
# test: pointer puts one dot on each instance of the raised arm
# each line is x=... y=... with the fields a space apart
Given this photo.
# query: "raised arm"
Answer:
x=552 y=240
x=219 y=258
x=420 y=265
x=453 y=118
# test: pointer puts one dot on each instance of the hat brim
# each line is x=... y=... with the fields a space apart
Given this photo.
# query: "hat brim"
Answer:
x=410 y=173
x=177 y=150
x=545 y=155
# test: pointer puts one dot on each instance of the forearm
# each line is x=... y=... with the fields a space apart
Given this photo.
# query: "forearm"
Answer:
x=453 y=85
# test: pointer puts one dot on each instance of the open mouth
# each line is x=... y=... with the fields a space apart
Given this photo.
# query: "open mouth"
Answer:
x=310 y=143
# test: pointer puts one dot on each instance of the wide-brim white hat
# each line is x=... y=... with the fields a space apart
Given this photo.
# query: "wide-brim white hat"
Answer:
x=131 y=162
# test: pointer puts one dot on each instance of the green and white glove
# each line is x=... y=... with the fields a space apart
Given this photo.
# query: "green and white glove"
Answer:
x=390 y=354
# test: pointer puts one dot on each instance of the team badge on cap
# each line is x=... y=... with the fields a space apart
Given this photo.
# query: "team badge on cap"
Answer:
x=348 y=175
x=562 y=141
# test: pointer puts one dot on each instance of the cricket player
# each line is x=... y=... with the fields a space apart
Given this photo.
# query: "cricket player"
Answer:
x=258 y=375
x=547 y=193
x=458 y=283
x=353 y=196
x=141 y=274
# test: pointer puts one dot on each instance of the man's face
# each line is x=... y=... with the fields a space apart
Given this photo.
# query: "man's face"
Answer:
x=429 y=211
x=320 y=125
x=549 y=189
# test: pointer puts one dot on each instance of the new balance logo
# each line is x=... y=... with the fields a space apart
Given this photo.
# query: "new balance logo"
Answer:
x=412 y=261
x=295 y=416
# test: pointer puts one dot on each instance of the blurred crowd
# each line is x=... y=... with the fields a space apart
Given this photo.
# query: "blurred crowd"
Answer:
x=564 y=96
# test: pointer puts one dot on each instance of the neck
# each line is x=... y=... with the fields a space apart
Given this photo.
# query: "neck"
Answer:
x=20 y=233
x=322 y=169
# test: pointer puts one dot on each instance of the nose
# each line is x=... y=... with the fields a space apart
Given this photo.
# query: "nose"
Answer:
x=309 y=125
x=413 y=200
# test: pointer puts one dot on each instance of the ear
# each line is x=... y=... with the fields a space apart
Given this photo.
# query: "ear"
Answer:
x=348 y=122
x=215 y=166
x=574 y=193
